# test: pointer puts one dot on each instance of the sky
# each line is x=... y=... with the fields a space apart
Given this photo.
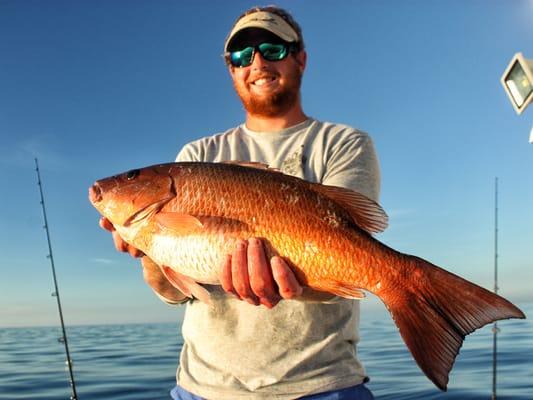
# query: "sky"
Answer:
x=94 y=88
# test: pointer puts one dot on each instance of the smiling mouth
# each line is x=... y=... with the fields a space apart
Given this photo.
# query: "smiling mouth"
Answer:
x=264 y=81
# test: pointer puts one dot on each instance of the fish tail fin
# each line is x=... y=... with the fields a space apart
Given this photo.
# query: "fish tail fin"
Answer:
x=438 y=311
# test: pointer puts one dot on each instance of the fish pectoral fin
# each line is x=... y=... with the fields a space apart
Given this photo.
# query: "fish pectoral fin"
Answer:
x=365 y=212
x=147 y=211
x=188 y=286
x=179 y=223
x=341 y=289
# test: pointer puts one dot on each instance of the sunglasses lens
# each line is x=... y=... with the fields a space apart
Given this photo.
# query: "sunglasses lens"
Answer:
x=273 y=52
x=242 y=58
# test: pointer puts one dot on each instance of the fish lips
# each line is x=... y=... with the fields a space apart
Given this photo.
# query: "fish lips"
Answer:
x=95 y=194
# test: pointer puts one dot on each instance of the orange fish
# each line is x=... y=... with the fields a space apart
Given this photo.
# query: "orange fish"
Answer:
x=186 y=216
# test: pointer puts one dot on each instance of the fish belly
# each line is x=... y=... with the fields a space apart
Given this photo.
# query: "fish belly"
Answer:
x=197 y=256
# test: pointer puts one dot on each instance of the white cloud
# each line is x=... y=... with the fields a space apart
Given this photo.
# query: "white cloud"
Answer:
x=103 y=261
x=41 y=146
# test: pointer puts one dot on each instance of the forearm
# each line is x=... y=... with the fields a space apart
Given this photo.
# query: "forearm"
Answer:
x=159 y=283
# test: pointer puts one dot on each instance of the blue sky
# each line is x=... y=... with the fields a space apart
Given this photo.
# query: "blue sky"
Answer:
x=93 y=88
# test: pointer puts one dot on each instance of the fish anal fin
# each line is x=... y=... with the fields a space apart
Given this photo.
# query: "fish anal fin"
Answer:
x=186 y=285
x=365 y=212
x=341 y=289
x=179 y=223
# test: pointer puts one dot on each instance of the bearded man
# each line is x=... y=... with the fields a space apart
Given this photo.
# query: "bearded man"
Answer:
x=264 y=336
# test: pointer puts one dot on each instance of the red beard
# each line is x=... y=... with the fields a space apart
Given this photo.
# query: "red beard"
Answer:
x=276 y=104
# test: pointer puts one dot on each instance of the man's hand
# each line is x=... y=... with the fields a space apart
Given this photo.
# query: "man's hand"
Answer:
x=247 y=274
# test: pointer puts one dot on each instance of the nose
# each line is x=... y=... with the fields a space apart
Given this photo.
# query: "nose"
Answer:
x=258 y=61
x=95 y=194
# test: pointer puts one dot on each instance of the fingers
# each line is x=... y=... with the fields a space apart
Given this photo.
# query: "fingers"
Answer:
x=106 y=224
x=260 y=274
x=247 y=274
x=226 y=279
x=239 y=273
x=134 y=252
x=288 y=285
x=120 y=244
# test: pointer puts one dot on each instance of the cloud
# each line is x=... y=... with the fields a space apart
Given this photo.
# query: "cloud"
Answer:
x=22 y=153
x=106 y=261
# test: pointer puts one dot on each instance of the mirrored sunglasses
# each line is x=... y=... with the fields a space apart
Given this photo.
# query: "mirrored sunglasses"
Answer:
x=269 y=51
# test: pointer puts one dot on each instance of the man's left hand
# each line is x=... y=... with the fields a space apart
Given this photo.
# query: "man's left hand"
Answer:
x=248 y=274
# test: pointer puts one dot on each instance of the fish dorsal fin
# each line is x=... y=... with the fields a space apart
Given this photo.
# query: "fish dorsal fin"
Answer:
x=366 y=213
x=252 y=164
x=178 y=222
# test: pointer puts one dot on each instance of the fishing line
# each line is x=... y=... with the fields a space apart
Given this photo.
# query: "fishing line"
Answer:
x=63 y=339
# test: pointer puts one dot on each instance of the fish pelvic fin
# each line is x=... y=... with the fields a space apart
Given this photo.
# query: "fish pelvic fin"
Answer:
x=438 y=311
x=188 y=286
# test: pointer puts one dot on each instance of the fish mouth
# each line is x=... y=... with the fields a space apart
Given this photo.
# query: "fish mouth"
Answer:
x=95 y=194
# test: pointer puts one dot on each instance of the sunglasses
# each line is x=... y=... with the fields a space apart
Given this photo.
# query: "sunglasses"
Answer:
x=269 y=51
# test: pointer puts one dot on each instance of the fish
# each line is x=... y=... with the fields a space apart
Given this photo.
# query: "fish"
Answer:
x=186 y=216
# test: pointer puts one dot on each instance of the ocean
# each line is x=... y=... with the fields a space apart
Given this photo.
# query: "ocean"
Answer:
x=138 y=362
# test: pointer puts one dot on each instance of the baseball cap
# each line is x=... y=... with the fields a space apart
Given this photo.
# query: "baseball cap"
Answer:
x=263 y=20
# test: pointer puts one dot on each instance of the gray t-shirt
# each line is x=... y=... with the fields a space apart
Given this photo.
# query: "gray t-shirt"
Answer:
x=234 y=350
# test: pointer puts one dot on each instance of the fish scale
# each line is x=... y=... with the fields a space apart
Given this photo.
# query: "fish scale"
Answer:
x=187 y=216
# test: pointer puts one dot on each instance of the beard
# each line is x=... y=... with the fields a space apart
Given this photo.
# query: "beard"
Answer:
x=278 y=102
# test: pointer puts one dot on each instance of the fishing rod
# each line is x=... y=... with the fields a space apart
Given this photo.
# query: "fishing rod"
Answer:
x=495 y=329
x=74 y=395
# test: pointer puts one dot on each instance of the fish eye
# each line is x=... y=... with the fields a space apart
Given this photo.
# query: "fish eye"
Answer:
x=132 y=174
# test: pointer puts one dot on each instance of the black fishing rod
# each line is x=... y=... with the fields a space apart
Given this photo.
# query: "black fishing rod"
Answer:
x=74 y=395
x=495 y=329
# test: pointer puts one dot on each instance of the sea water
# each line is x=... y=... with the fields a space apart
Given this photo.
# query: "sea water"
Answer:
x=138 y=362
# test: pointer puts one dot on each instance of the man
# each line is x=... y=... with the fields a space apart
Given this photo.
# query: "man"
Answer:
x=262 y=338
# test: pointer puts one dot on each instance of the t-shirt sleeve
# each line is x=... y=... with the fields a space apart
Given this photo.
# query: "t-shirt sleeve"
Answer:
x=352 y=163
x=189 y=152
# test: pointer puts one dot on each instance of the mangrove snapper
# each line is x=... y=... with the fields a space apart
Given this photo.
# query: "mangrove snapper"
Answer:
x=187 y=216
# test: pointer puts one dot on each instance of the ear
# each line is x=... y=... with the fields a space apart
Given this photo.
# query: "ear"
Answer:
x=301 y=60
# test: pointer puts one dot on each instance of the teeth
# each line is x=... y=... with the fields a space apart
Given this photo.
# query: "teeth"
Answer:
x=263 y=81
